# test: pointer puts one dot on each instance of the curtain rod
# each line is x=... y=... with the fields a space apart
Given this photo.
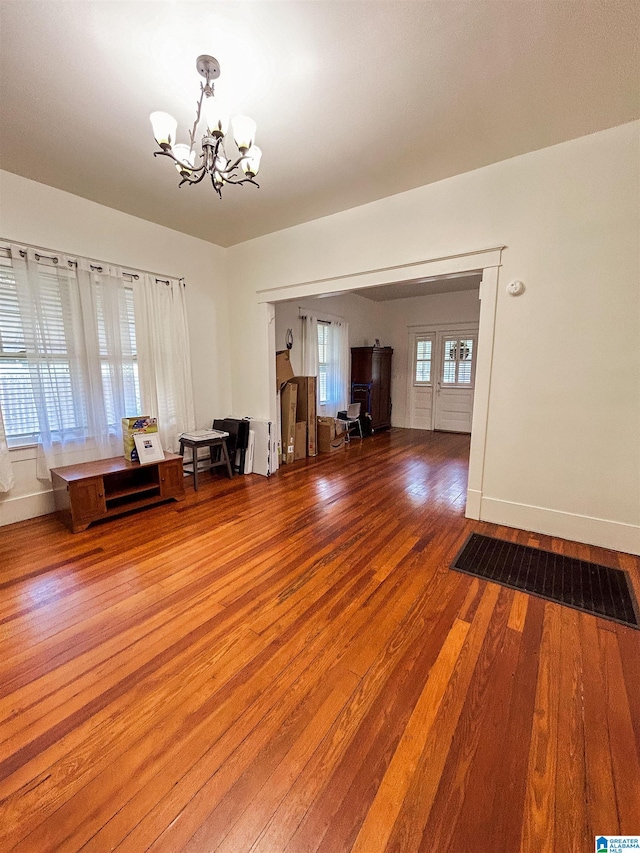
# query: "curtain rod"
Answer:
x=332 y=318
x=50 y=255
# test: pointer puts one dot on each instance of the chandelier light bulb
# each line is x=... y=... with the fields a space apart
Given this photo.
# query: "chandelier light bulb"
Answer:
x=222 y=164
x=164 y=129
x=251 y=162
x=244 y=132
x=215 y=116
x=212 y=112
x=185 y=159
x=184 y=154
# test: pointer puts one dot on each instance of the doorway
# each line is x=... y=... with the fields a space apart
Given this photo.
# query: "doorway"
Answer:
x=485 y=261
x=441 y=377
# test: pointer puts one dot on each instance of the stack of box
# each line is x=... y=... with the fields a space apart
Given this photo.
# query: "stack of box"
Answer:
x=133 y=426
x=298 y=411
x=306 y=428
x=300 y=448
x=284 y=371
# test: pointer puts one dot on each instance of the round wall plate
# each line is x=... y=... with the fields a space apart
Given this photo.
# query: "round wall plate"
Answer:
x=208 y=65
x=515 y=288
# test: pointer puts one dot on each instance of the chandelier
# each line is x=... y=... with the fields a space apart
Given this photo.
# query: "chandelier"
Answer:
x=215 y=161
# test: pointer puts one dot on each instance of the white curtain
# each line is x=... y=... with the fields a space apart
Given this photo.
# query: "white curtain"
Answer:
x=163 y=357
x=7 y=481
x=74 y=360
x=309 y=345
x=334 y=378
x=110 y=353
x=338 y=368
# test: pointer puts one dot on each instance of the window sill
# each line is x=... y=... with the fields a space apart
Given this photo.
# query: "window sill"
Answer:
x=23 y=453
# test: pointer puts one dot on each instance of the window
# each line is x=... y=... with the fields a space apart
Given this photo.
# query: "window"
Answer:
x=458 y=361
x=129 y=376
x=323 y=361
x=42 y=365
x=424 y=349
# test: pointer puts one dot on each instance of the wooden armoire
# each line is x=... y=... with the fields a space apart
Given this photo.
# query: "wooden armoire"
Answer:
x=371 y=383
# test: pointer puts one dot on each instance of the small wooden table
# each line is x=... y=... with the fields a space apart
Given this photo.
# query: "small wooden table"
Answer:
x=206 y=441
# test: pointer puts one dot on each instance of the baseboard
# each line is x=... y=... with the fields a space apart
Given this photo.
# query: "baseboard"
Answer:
x=25 y=507
x=567 y=525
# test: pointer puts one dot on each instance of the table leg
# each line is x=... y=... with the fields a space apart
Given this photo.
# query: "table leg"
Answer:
x=225 y=455
x=194 y=451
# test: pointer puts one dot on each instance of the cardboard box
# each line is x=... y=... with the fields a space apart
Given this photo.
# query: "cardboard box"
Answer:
x=330 y=446
x=330 y=435
x=288 y=400
x=300 y=450
x=284 y=371
x=306 y=409
x=133 y=426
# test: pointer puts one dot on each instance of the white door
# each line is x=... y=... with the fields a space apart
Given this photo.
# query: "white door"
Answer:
x=454 y=386
x=421 y=400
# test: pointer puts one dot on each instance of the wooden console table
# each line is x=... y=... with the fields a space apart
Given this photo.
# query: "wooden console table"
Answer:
x=91 y=491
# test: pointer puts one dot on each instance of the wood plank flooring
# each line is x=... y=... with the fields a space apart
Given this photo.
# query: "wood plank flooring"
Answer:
x=288 y=665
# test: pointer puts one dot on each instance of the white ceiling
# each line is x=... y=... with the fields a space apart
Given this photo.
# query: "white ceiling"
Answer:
x=355 y=100
x=421 y=287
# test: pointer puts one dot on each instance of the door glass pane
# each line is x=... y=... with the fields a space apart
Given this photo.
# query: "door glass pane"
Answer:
x=423 y=361
x=450 y=360
x=465 y=353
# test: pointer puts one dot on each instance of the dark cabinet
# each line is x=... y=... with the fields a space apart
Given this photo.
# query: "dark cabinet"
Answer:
x=371 y=383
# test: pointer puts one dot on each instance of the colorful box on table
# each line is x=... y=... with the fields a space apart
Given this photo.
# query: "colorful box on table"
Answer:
x=133 y=426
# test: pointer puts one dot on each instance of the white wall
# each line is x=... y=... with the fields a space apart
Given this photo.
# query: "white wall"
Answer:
x=52 y=219
x=562 y=453
x=366 y=320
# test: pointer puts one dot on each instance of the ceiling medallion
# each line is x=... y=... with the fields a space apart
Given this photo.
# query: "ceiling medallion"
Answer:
x=214 y=158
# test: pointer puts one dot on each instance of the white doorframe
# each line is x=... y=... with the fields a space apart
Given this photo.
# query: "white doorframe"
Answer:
x=484 y=367
x=487 y=260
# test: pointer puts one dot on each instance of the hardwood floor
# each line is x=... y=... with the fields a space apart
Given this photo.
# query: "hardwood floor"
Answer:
x=288 y=665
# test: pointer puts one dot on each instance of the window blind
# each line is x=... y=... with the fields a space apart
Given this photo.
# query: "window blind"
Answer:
x=458 y=360
x=424 y=348
x=40 y=359
x=323 y=360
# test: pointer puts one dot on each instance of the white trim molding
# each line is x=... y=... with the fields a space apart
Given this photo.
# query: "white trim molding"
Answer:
x=579 y=528
x=484 y=367
x=461 y=263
